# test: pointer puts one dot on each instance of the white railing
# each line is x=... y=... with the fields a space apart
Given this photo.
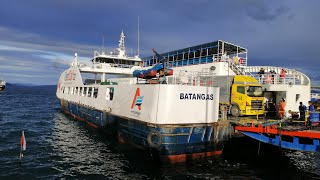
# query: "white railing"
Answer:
x=292 y=76
x=193 y=78
x=276 y=79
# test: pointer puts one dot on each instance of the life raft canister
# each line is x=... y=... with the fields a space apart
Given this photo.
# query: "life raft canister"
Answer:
x=154 y=139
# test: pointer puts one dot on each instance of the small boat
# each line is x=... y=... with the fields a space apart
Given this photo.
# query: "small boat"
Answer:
x=2 y=85
x=286 y=135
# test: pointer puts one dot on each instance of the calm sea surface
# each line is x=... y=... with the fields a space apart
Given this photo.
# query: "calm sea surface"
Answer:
x=60 y=147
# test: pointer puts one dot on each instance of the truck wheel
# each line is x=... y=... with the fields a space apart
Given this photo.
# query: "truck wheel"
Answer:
x=235 y=111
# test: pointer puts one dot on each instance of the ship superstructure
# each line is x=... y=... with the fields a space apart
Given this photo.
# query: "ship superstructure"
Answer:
x=117 y=63
x=225 y=59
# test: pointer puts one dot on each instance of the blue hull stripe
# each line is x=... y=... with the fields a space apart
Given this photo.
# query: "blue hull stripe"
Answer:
x=295 y=144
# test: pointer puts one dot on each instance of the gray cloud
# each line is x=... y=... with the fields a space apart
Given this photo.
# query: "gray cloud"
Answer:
x=264 y=10
x=45 y=34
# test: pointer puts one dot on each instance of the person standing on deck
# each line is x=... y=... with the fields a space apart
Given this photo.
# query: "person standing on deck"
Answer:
x=269 y=79
x=311 y=112
x=302 y=110
x=282 y=75
x=261 y=73
x=282 y=108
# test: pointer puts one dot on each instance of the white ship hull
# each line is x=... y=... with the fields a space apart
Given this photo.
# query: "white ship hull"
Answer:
x=176 y=122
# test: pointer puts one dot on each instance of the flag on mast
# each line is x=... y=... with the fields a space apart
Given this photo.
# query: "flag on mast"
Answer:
x=23 y=142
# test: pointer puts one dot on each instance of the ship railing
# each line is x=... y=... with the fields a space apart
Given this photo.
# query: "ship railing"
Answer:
x=309 y=118
x=290 y=73
x=111 y=65
x=192 y=78
x=273 y=117
x=122 y=80
x=276 y=79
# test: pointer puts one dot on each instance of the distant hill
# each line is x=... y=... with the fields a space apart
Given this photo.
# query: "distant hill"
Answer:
x=30 y=88
x=26 y=85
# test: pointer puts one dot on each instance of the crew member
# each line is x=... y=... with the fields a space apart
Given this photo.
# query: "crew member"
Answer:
x=282 y=108
x=302 y=110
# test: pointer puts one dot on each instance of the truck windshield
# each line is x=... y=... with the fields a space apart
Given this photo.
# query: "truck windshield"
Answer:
x=254 y=91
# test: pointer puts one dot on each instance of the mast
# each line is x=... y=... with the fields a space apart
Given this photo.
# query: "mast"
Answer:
x=121 y=48
x=138 y=36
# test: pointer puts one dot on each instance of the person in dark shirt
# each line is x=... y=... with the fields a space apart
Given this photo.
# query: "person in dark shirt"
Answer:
x=261 y=73
x=272 y=110
x=302 y=110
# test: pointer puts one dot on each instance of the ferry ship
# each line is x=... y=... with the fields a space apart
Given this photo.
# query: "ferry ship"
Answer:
x=2 y=85
x=175 y=118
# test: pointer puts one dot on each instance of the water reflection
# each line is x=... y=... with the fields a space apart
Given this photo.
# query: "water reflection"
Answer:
x=81 y=151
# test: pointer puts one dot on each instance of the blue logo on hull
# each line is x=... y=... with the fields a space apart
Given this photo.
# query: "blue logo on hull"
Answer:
x=139 y=101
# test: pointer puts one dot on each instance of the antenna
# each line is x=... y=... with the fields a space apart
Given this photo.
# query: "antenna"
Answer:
x=102 y=43
x=138 y=36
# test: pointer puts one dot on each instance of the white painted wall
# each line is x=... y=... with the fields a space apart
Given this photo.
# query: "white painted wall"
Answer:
x=161 y=102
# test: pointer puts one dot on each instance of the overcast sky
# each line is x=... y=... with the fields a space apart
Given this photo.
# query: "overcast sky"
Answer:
x=39 y=38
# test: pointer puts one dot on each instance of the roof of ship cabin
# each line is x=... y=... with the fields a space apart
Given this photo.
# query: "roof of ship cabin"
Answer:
x=228 y=47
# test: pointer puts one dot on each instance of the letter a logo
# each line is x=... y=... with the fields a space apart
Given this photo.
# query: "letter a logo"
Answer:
x=137 y=100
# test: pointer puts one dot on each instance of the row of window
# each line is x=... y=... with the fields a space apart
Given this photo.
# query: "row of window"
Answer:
x=118 y=61
x=81 y=91
x=203 y=60
x=88 y=92
x=200 y=56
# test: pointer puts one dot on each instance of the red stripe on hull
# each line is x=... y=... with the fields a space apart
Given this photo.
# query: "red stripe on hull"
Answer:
x=181 y=158
x=80 y=119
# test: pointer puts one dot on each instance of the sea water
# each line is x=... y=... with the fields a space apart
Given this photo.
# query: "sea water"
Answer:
x=58 y=146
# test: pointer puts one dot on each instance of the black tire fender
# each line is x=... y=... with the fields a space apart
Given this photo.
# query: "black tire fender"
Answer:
x=150 y=139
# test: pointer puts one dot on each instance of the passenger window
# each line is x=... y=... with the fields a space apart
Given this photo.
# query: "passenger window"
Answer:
x=90 y=92
x=84 y=91
x=241 y=89
x=109 y=93
x=80 y=91
x=95 y=92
